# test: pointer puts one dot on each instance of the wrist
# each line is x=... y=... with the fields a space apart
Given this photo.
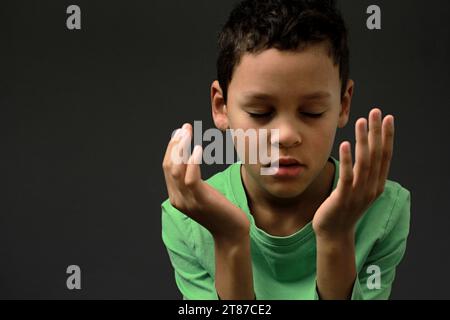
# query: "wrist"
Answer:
x=335 y=243
x=343 y=234
x=234 y=237
x=233 y=278
x=235 y=242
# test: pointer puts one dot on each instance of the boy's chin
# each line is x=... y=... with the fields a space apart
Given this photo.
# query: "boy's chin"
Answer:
x=286 y=191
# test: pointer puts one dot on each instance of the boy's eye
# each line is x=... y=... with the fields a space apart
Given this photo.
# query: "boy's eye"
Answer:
x=268 y=114
x=260 y=115
x=312 y=115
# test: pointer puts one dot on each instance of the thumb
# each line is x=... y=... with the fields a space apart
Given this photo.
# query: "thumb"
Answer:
x=193 y=174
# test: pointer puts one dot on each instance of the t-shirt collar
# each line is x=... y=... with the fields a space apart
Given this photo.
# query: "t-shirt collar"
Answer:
x=240 y=198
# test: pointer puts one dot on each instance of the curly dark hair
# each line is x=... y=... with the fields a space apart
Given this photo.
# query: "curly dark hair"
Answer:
x=257 y=25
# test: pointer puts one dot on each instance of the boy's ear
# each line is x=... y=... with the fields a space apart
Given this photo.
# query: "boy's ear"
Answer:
x=219 y=108
x=346 y=102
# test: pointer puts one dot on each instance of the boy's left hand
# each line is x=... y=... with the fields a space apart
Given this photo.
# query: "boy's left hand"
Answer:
x=362 y=184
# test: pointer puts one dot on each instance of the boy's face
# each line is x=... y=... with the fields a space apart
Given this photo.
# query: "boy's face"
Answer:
x=294 y=85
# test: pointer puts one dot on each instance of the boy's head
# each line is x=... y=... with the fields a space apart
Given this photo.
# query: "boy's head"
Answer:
x=284 y=64
x=254 y=26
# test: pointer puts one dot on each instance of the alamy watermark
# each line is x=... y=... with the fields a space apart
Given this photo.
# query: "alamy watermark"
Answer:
x=73 y=20
x=73 y=281
x=374 y=280
x=253 y=146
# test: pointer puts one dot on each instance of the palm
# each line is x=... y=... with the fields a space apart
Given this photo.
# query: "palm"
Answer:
x=324 y=217
x=362 y=184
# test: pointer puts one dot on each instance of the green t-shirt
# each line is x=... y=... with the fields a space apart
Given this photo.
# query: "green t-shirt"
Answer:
x=285 y=267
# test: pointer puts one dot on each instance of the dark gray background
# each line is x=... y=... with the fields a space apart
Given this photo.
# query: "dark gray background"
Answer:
x=85 y=117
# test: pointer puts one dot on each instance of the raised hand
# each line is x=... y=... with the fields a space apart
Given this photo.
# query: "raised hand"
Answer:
x=194 y=197
x=362 y=184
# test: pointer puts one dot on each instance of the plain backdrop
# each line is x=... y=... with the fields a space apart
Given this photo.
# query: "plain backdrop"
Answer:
x=85 y=117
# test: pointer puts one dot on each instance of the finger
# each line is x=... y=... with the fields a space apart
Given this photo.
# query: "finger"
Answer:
x=181 y=154
x=375 y=149
x=193 y=173
x=167 y=163
x=168 y=155
x=185 y=143
x=362 y=159
x=388 y=149
x=345 y=168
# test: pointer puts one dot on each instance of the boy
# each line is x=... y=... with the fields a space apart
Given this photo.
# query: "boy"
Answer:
x=319 y=228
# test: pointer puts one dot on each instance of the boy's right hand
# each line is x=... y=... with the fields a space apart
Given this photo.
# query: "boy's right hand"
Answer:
x=196 y=198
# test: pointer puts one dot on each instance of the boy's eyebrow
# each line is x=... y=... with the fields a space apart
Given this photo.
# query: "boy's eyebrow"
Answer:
x=256 y=96
x=317 y=95
x=251 y=95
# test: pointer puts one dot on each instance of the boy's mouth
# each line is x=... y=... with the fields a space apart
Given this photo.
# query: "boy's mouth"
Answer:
x=286 y=168
x=285 y=162
x=288 y=162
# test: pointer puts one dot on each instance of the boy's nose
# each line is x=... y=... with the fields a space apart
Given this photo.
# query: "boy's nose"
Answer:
x=289 y=135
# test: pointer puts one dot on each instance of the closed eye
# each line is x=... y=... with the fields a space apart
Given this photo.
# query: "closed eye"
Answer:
x=312 y=115
x=260 y=115
x=268 y=114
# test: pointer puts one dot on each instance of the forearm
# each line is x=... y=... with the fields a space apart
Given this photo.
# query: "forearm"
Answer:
x=336 y=269
x=234 y=277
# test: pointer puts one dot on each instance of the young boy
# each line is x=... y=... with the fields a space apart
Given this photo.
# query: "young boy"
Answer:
x=319 y=228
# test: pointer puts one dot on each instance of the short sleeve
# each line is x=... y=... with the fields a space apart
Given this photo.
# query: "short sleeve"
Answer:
x=193 y=281
x=375 y=279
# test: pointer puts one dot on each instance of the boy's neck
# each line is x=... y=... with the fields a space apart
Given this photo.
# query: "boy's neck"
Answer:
x=294 y=213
